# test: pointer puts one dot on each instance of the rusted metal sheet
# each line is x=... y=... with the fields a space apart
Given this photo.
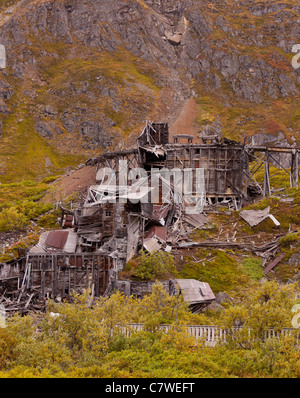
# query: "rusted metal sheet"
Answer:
x=68 y=221
x=57 y=239
x=157 y=231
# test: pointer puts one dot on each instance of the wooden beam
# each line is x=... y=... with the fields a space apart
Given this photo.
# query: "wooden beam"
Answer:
x=267 y=189
x=273 y=263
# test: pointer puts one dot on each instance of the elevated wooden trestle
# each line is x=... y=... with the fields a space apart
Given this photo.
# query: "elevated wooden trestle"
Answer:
x=224 y=164
x=264 y=155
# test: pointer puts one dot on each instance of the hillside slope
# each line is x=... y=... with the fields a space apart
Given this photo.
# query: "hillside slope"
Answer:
x=82 y=77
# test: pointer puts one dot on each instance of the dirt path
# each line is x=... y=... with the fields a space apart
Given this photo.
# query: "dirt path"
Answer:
x=185 y=123
x=76 y=181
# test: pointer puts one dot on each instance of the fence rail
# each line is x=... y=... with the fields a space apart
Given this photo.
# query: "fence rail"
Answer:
x=213 y=334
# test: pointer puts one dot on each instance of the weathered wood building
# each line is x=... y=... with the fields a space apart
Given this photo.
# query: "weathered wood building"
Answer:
x=137 y=202
x=225 y=163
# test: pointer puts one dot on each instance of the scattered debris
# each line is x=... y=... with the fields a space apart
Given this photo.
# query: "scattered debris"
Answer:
x=152 y=245
x=196 y=220
x=254 y=217
x=151 y=197
x=197 y=294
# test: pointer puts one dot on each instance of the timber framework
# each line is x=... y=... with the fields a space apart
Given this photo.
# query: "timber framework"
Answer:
x=141 y=208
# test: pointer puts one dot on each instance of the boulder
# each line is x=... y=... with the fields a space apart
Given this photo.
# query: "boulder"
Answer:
x=6 y=91
x=222 y=297
x=44 y=129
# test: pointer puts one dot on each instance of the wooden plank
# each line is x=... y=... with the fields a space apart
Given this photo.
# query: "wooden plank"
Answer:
x=75 y=278
x=273 y=263
x=28 y=301
x=97 y=287
x=43 y=282
x=267 y=189
x=54 y=276
x=64 y=284
x=69 y=282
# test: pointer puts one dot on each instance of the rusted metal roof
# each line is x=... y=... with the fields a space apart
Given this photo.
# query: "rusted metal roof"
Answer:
x=63 y=240
x=158 y=231
x=57 y=239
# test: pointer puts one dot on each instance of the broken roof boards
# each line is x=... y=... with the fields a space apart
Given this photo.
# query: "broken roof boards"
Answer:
x=154 y=134
x=61 y=240
x=194 y=291
x=254 y=217
x=152 y=245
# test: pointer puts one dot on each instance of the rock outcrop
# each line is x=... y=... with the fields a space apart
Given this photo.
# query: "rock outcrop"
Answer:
x=101 y=68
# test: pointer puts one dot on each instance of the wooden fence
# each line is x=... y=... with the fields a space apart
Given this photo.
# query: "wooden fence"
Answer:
x=213 y=334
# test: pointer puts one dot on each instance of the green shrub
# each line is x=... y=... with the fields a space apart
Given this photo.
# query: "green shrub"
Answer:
x=154 y=266
x=11 y=219
x=289 y=239
x=48 y=220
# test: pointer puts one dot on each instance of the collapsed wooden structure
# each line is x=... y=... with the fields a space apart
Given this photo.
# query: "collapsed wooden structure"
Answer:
x=225 y=163
x=136 y=203
x=52 y=275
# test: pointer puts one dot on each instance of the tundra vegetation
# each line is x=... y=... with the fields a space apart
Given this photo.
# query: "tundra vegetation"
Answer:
x=75 y=89
x=82 y=338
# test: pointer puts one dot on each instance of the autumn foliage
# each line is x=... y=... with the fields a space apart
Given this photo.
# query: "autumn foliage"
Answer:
x=84 y=338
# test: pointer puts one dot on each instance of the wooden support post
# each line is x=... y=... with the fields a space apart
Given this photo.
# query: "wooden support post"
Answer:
x=64 y=284
x=55 y=276
x=217 y=161
x=267 y=189
x=93 y=271
x=225 y=166
x=69 y=282
x=52 y=275
x=87 y=276
x=297 y=169
x=42 y=279
x=294 y=173
x=104 y=274
x=97 y=288
x=208 y=167
x=74 y=278
x=28 y=282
